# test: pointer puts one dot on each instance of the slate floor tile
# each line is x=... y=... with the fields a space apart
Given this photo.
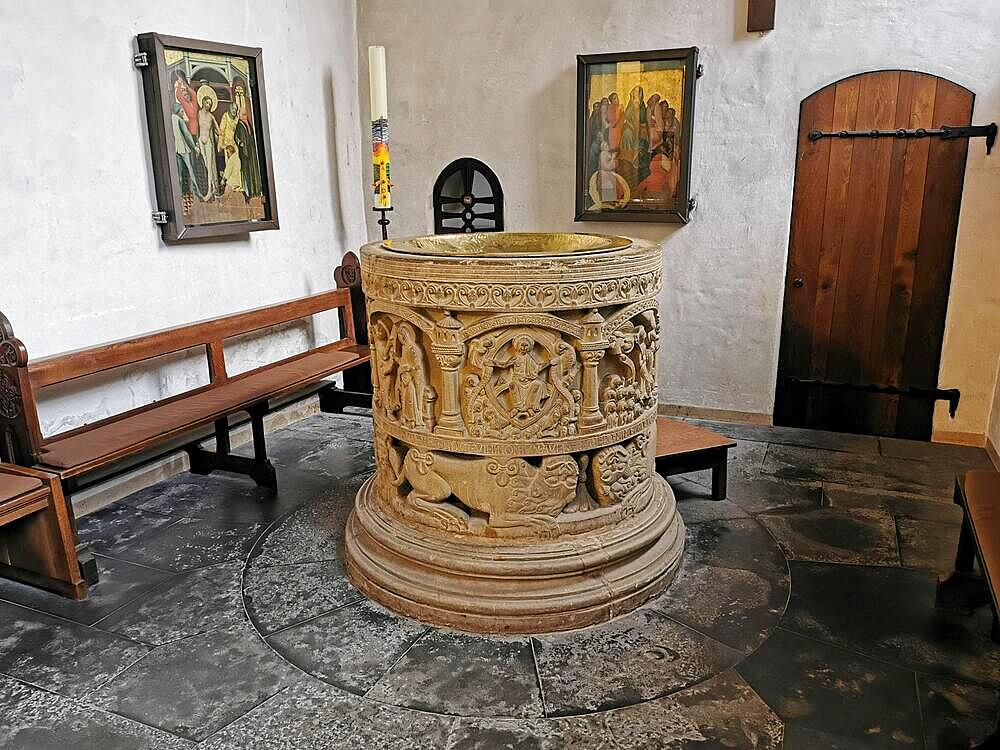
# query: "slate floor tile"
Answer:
x=822 y=439
x=118 y=525
x=632 y=658
x=700 y=510
x=957 y=457
x=325 y=427
x=957 y=715
x=37 y=720
x=740 y=543
x=60 y=655
x=192 y=543
x=577 y=732
x=721 y=713
x=198 y=685
x=896 y=504
x=120 y=583
x=834 y=535
x=313 y=533
x=835 y=691
x=187 y=604
x=351 y=647
x=885 y=473
x=282 y=595
x=888 y=613
x=928 y=544
x=798 y=737
x=219 y=496
x=658 y=723
x=460 y=673
x=765 y=494
x=315 y=716
x=334 y=457
x=737 y=607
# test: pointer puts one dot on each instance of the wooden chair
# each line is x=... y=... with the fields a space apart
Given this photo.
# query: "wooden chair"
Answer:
x=37 y=537
x=682 y=447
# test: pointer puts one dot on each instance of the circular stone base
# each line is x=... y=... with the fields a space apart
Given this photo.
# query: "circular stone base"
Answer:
x=567 y=583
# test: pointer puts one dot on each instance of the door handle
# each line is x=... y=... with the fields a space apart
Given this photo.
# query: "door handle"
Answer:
x=798 y=283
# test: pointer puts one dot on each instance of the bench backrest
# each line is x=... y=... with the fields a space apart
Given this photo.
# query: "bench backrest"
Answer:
x=21 y=438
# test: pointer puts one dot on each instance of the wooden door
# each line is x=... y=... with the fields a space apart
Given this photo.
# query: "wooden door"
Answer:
x=870 y=254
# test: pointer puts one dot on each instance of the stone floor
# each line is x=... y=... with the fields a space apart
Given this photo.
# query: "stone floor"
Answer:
x=803 y=618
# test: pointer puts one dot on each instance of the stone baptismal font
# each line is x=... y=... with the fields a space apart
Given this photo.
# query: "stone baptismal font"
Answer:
x=515 y=406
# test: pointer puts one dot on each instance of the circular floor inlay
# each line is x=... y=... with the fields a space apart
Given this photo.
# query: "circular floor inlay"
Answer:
x=726 y=600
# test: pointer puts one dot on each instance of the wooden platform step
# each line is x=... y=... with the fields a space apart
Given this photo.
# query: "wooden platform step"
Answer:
x=682 y=447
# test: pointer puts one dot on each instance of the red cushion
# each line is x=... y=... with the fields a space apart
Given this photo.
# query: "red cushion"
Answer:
x=134 y=432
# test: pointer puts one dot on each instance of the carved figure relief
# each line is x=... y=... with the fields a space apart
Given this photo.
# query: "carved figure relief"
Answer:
x=399 y=375
x=460 y=493
x=631 y=389
x=10 y=398
x=522 y=381
x=620 y=470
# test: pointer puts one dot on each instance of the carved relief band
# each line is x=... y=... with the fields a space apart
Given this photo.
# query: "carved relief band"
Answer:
x=514 y=405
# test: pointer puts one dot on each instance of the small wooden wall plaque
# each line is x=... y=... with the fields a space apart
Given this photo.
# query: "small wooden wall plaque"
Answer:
x=760 y=15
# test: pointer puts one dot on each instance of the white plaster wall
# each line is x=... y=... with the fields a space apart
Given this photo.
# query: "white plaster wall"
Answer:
x=82 y=262
x=496 y=79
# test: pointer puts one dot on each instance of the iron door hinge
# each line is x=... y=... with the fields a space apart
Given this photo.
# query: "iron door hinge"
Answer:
x=140 y=59
x=159 y=217
x=699 y=71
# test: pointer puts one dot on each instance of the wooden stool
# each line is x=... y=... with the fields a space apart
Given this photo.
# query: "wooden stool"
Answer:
x=37 y=534
x=682 y=447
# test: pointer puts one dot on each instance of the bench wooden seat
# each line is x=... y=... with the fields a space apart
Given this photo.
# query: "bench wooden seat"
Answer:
x=184 y=419
x=37 y=538
x=978 y=494
x=682 y=447
x=94 y=445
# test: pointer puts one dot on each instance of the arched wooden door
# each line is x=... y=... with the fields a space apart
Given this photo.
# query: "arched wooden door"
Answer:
x=870 y=256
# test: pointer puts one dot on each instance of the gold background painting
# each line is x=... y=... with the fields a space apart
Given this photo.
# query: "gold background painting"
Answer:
x=633 y=152
x=669 y=84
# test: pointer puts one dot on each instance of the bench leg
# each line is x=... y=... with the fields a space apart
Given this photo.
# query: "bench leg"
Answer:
x=258 y=468
x=719 y=476
x=334 y=400
x=964 y=591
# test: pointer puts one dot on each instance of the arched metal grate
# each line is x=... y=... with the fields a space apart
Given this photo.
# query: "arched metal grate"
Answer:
x=467 y=198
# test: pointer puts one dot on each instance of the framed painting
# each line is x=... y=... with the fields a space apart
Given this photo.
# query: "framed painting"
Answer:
x=208 y=136
x=635 y=112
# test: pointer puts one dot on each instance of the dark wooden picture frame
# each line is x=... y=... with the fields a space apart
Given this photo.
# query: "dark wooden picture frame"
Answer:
x=677 y=208
x=160 y=100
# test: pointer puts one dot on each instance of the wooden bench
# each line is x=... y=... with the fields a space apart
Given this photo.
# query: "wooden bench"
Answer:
x=682 y=447
x=180 y=420
x=978 y=494
x=37 y=538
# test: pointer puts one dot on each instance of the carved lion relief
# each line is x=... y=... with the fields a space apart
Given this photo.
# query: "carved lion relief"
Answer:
x=514 y=496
